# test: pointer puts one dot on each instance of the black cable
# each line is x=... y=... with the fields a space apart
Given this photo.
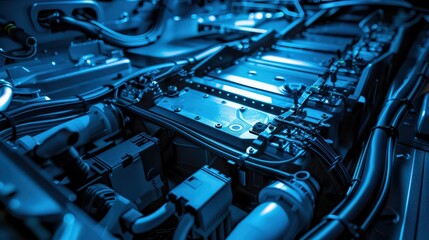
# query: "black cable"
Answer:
x=84 y=103
x=78 y=105
x=11 y=123
x=211 y=145
x=32 y=127
x=29 y=112
x=330 y=159
x=364 y=200
x=14 y=55
x=20 y=36
x=110 y=36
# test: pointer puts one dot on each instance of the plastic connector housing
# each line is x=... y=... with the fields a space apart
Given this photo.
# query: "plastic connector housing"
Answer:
x=133 y=169
x=207 y=195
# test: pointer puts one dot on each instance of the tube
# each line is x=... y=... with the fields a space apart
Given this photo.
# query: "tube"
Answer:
x=184 y=227
x=364 y=200
x=286 y=209
x=259 y=223
x=6 y=94
x=101 y=120
x=149 y=222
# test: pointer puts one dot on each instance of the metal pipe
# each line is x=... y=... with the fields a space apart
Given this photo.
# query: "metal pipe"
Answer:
x=6 y=94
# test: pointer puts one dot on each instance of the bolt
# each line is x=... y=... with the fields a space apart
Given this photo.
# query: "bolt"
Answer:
x=252 y=72
x=205 y=96
x=242 y=109
x=197 y=118
x=218 y=125
x=324 y=116
x=171 y=90
x=177 y=109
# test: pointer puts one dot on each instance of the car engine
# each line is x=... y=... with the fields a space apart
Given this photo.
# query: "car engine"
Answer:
x=218 y=119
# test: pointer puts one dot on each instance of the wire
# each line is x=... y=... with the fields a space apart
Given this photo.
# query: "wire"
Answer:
x=401 y=4
x=184 y=227
x=214 y=146
x=47 y=110
x=17 y=56
x=34 y=127
x=276 y=7
x=364 y=200
x=20 y=36
x=348 y=3
x=151 y=221
x=110 y=36
x=38 y=111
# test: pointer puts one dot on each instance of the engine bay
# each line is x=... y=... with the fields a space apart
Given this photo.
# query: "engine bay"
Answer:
x=214 y=119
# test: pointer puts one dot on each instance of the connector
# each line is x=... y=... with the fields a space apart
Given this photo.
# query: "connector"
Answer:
x=207 y=196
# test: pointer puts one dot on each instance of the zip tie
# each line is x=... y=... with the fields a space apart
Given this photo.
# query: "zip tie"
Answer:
x=335 y=163
x=389 y=130
x=353 y=229
x=84 y=103
x=403 y=100
x=354 y=180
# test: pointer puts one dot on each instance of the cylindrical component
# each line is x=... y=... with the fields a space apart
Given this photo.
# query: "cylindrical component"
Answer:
x=184 y=227
x=286 y=209
x=24 y=38
x=6 y=94
x=97 y=200
x=259 y=224
x=76 y=169
x=100 y=120
x=59 y=142
x=149 y=222
x=59 y=148
x=19 y=35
